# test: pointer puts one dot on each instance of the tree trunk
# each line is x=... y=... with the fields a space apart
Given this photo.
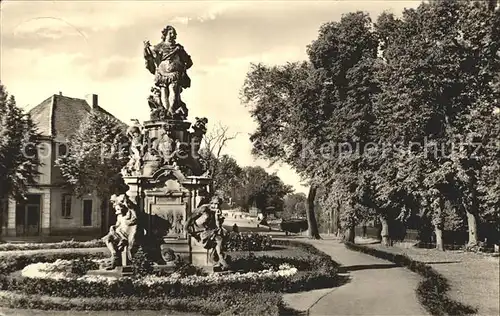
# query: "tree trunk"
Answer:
x=337 y=228
x=386 y=238
x=312 y=231
x=471 y=211
x=472 y=224
x=438 y=222
x=349 y=234
x=439 y=237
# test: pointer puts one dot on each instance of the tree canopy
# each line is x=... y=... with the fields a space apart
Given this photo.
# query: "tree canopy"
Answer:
x=19 y=139
x=393 y=118
x=96 y=154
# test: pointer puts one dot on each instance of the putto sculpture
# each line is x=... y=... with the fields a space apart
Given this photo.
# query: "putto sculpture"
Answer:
x=136 y=151
x=168 y=61
x=205 y=226
x=121 y=236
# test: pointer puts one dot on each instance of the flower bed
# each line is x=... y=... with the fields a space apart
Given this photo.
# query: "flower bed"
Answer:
x=58 y=279
x=260 y=285
x=65 y=270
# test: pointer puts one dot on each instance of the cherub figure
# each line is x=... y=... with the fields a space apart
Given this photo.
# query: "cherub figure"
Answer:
x=158 y=112
x=136 y=150
x=199 y=130
x=205 y=226
x=179 y=224
x=134 y=133
x=123 y=233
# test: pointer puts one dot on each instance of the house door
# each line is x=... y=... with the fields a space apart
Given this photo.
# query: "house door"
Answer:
x=28 y=216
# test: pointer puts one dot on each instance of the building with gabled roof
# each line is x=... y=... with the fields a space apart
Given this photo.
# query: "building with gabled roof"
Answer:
x=50 y=209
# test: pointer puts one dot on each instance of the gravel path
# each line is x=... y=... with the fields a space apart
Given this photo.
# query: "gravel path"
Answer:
x=377 y=287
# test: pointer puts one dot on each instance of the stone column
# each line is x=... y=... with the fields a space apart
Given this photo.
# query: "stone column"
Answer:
x=45 y=213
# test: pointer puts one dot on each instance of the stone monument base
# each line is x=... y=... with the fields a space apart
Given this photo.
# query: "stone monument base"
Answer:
x=200 y=257
x=180 y=247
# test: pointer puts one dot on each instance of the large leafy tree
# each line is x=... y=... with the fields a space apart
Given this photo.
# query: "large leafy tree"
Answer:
x=227 y=177
x=410 y=86
x=261 y=189
x=438 y=88
x=294 y=205
x=96 y=154
x=311 y=114
x=18 y=148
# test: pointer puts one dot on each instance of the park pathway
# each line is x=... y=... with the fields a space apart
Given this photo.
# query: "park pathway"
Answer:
x=376 y=287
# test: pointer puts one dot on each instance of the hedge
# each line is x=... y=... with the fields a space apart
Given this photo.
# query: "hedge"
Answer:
x=249 y=242
x=96 y=243
x=431 y=291
x=222 y=303
x=236 y=242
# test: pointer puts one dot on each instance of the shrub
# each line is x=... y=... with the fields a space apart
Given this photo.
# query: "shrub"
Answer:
x=141 y=263
x=82 y=265
x=294 y=226
x=248 y=242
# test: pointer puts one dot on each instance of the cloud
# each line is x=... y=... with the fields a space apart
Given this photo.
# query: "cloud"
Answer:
x=181 y=20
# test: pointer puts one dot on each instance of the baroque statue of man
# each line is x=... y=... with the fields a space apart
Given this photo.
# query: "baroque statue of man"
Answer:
x=205 y=226
x=168 y=61
x=122 y=235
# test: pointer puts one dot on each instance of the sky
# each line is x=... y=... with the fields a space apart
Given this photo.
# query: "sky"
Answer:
x=95 y=47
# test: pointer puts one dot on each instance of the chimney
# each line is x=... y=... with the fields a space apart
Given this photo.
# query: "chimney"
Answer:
x=60 y=93
x=92 y=100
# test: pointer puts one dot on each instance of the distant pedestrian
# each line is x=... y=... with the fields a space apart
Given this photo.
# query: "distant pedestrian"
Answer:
x=235 y=228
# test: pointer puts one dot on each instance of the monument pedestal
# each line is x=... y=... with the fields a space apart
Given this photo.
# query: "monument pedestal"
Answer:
x=166 y=190
x=180 y=248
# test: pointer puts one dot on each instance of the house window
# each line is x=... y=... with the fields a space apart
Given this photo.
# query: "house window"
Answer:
x=87 y=212
x=66 y=205
x=62 y=150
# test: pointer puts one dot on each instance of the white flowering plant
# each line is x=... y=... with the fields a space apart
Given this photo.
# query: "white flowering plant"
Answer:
x=62 y=270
